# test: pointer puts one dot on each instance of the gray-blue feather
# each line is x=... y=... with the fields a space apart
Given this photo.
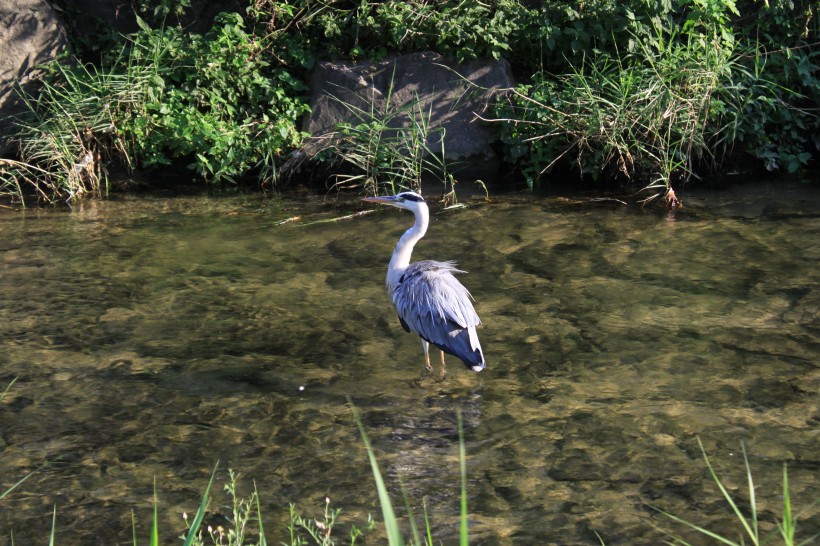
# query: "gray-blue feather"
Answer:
x=432 y=303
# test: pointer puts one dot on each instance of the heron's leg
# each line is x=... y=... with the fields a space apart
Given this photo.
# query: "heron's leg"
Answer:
x=426 y=346
x=443 y=367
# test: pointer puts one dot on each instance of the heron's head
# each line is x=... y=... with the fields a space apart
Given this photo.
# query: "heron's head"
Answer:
x=409 y=200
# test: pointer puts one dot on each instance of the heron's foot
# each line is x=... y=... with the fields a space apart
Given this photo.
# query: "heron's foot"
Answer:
x=419 y=381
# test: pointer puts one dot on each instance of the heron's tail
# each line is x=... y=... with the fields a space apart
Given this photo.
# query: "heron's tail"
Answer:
x=463 y=343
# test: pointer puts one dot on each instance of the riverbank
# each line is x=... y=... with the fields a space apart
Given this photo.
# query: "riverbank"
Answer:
x=617 y=95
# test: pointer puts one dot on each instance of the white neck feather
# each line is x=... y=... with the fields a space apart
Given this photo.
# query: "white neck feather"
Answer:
x=404 y=248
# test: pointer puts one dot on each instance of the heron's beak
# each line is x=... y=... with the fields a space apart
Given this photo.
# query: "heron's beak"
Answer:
x=383 y=199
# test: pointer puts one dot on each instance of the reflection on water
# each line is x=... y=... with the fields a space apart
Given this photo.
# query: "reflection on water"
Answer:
x=152 y=338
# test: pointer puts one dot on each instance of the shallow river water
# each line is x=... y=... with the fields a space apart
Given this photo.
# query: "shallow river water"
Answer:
x=154 y=336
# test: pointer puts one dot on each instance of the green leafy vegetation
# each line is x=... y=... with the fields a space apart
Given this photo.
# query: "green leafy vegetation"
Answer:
x=651 y=93
x=371 y=30
x=676 y=104
x=212 y=101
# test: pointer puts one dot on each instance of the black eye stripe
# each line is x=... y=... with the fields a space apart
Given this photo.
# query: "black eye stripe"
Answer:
x=411 y=197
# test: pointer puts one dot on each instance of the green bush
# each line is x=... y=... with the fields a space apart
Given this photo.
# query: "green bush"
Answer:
x=214 y=99
x=681 y=103
x=334 y=29
x=645 y=116
x=530 y=34
x=648 y=90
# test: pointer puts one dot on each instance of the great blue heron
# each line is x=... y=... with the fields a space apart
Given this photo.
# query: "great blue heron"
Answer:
x=430 y=301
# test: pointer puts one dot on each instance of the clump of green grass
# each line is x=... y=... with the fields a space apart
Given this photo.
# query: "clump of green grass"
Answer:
x=245 y=528
x=645 y=115
x=388 y=148
x=672 y=108
x=319 y=531
x=214 y=101
x=748 y=525
x=69 y=135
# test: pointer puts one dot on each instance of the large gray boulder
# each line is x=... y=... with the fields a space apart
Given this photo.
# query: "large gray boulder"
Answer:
x=30 y=34
x=454 y=94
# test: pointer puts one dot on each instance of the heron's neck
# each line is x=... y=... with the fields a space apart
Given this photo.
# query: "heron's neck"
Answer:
x=404 y=248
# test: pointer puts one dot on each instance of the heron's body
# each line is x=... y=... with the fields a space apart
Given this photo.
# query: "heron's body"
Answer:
x=430 y=301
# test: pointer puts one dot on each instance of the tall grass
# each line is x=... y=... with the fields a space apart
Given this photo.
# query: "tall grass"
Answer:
x=212 y=100
x=69 y=136
x=748 y=525
x=73 y=130
x=673 y=107
x=641 y=115
x=386 y=147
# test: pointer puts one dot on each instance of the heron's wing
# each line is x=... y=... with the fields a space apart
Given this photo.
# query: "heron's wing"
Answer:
x=433 y=303
x=428 y=292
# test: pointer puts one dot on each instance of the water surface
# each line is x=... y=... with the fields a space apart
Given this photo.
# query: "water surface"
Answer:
x=152 y=337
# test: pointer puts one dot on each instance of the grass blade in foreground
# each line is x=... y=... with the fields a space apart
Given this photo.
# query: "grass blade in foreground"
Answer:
x=53 y=527
x=390 y=522
x=200 y=513
x=464 y=531
x=410 y=516
x=262 y=540
x=785 y=528
x=8 y=388
x=155 y=523
x=20 y=482
x=30 y=474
